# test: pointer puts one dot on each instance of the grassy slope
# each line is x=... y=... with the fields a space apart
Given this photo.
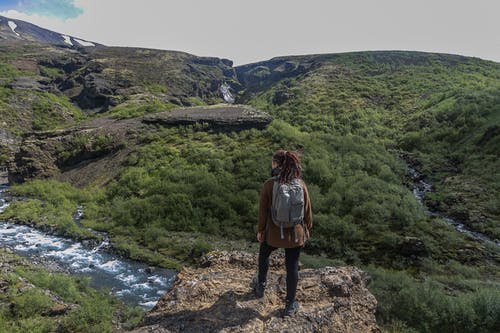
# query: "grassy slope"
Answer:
x=25 y=110
x=433 y=106
x=185 y=191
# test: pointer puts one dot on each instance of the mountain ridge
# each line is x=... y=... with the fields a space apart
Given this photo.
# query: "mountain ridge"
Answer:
x=15 y=30
x=39 y=34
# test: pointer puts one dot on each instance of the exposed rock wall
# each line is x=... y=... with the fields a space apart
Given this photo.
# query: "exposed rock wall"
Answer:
x=219 y=298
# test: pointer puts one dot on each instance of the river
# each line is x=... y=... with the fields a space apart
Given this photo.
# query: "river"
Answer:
x=420 y=189
x=134 y=282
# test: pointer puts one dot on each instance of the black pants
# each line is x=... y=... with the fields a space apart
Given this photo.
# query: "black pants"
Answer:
x=291 y=263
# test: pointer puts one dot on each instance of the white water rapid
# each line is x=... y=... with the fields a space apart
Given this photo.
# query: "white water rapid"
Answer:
x=132 y=281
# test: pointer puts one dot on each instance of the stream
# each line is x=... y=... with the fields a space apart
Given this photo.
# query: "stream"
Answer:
x=134 y=282
x=420 y=188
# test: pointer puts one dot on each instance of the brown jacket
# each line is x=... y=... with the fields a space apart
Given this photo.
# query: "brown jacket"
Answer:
x=271 y=232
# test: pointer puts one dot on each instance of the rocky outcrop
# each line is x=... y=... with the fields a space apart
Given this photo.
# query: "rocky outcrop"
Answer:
x=110 y=75
x=97 y=148
x=221 y=117
x=4 y=179
x=96 y=79
x=261 y=74
x=218 y=298
x=31 y=83
x=77 y=154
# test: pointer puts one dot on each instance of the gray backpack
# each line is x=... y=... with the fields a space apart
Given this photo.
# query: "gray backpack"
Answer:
x=287 y=207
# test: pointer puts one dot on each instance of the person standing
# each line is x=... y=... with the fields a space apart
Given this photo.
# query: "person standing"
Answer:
x=286 y=169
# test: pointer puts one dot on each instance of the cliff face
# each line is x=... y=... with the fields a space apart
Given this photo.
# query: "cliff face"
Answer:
x=219 y=298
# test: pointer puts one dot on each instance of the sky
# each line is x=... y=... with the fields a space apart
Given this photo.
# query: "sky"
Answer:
x=254 y=30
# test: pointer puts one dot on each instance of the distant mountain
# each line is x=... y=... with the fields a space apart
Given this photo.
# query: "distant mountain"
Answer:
x=17 y=30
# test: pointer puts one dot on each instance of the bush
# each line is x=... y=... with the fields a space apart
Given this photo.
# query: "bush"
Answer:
x=93 y=316
x=30 y=303
x=426 y=307
x=32 y=291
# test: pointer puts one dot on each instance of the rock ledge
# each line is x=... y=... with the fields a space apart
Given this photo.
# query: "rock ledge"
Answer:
x=222 y=117
x=218 y=298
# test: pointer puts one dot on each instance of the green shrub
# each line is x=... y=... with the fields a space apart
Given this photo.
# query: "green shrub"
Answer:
x=91 y=316
x=51 y=112
x=32 y=291
x=426 y=306
x=30 y=303
x=135 y=108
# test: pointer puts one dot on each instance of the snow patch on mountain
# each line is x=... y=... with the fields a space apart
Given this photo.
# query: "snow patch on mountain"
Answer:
x=13 y=27
x=84 y=43
x=67 y=39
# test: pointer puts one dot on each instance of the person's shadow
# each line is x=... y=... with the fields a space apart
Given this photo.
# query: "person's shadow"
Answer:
x=224 y=313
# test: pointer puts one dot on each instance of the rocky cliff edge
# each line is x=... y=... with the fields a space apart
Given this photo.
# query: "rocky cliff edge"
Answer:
x=218 y=298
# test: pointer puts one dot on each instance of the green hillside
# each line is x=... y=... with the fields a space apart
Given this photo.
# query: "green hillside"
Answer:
x=441 y=110
x=357 y=119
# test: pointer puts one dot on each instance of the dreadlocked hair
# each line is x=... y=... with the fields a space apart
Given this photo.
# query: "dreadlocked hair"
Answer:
x=289 y=165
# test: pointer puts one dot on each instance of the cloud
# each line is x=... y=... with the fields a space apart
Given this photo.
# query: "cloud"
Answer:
x=61 y=9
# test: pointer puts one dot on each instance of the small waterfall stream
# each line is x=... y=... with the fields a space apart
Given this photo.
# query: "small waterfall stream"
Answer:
x=421 y=188
x=132 y=281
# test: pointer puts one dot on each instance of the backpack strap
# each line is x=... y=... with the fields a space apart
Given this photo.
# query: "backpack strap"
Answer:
x=273 y=213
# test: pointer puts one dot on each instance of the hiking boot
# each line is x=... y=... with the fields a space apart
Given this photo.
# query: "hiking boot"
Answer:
x=259 y=289
x=291 y=308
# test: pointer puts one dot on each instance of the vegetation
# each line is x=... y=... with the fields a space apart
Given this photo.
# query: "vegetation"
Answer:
x=88 y=145
x=53 y=73
x=3 y=155
x=441 y=109
x=35 y=111
x=432 y=306
x=139 y=107
x=35 y=300
x=51 y=112
x=442 y=112
x=183 y=191
x=54 y=207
